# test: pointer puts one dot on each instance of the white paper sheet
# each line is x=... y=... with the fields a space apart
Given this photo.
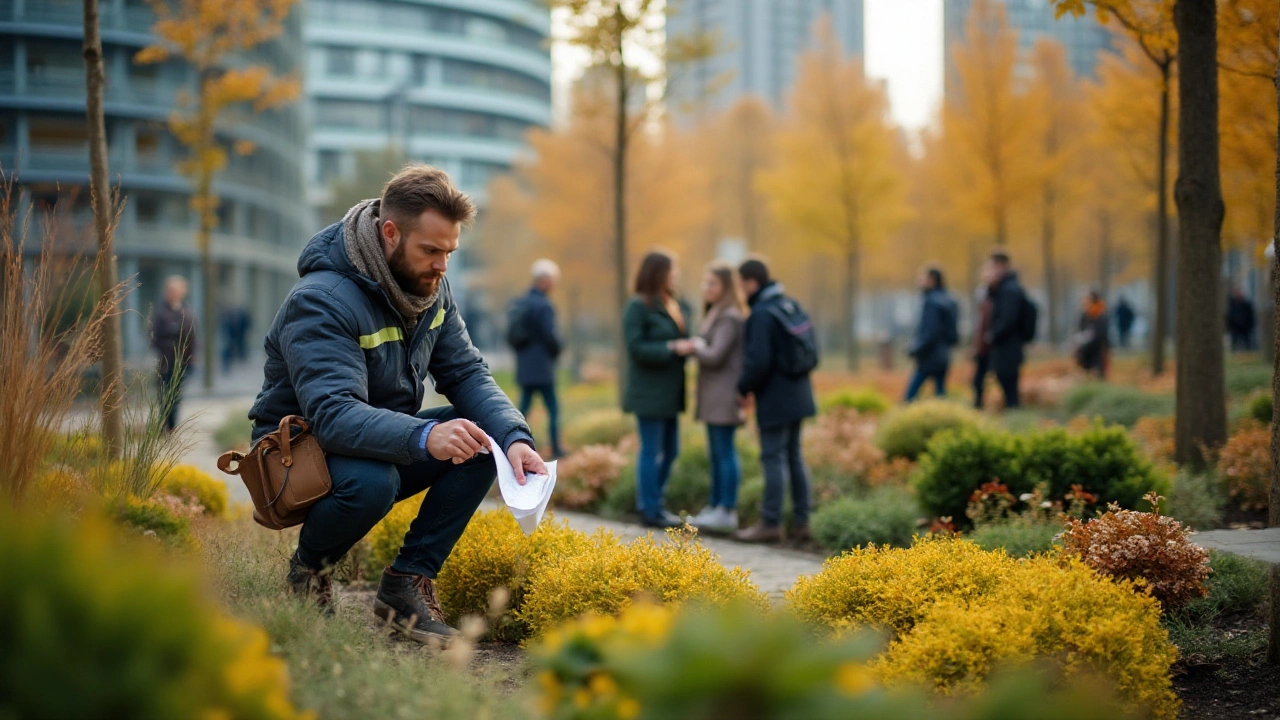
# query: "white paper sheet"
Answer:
x=528 y=502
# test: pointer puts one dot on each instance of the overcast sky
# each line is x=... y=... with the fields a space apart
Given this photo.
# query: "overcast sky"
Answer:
x=903 y=46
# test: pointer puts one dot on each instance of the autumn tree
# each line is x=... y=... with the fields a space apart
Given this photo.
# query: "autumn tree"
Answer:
x=737 y=146
x=213 y=36
x=627 y=40
x=837 y=186
x=111 y=395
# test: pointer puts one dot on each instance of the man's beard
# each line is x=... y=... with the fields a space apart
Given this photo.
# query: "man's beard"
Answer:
x=412 y=283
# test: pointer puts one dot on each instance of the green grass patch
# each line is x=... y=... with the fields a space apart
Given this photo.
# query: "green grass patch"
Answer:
x=235 y=432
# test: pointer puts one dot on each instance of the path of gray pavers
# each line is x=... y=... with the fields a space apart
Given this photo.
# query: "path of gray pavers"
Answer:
x=1261 y=545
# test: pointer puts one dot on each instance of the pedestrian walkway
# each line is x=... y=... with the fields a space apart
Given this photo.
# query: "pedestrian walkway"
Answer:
x=1261 y=545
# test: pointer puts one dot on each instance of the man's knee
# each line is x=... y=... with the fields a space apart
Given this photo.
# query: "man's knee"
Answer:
x=369 y=485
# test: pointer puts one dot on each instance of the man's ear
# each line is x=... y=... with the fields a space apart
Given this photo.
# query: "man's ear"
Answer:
x=390 y=237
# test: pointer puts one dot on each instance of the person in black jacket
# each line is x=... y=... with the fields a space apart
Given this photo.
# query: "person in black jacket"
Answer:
x=1241 y=321
x=998 y=340
x=782 y=404
x=173 y=337
x=540 y=347
x=931 y=346
x=1093 y=344
x=1124 y=321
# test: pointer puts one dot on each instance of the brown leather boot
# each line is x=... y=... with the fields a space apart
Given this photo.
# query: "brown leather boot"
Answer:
x=408 y=602
x=307 y=582
x=759 y=533
x=799 y=534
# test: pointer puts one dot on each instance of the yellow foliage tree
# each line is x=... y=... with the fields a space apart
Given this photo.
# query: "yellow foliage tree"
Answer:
x=211 y=36
x=838 y=185
x=736 y=147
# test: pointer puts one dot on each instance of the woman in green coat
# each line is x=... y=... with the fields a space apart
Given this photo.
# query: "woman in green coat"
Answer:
x=656 y=328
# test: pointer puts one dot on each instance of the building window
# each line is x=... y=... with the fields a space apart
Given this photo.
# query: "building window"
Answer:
x=340 y=62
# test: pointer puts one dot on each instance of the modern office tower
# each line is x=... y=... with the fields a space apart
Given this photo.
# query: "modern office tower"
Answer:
x=262 y=221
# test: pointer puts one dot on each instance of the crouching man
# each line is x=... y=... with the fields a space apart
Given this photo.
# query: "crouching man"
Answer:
x=371 y=317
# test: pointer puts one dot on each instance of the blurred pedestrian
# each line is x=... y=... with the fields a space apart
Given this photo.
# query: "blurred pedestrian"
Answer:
x=654 y=325
x=532 y=333
x=173 y=337
x=937 y=333
x=235 y=333
x=1241 y=321
x=1006 y=322
x=1124 y=321
x=780 y=352
x=1092 y=344
x=718 y=350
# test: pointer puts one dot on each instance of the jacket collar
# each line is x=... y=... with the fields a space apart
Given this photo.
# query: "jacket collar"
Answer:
x=768 y=292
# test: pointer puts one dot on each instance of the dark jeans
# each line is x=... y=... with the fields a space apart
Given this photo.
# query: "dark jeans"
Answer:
x=726 y=473
x=1008 y=383
x=364 y=490
x=920 y=378
x=780 y=456
x=170 y=391
x=659 y=446
x=548 y=393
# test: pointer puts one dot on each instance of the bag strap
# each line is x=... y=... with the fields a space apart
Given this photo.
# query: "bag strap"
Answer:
x=286 y=428
x=229 y=462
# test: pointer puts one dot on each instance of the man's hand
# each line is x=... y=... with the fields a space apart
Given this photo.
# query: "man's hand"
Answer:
x=524 y=459
x=456 y=440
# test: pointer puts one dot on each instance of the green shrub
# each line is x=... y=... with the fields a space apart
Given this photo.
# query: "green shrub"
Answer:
x=1115 y=404
x=151 y=516
x=1245 y=379
x=1237 y=585
x=235 y=432
x=1258 y=407
x=1197 y=499
x=93 y=626
x=886 y=516
x=600 y=427
x=687 y=489
x=1103 y=461
x=1018 y=538
x=864 y=400
x=906 y=431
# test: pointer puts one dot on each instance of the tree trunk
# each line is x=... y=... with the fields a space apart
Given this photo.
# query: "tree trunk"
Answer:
x=1002 y=228
x=1273 y=647
x=1201 y=417
x=1046 y=249
x=620 y=219
x=851 y=307
x=209 y=309
x=577 y=349
x=1160 y=268
x=1104 y=253
x=111 y=394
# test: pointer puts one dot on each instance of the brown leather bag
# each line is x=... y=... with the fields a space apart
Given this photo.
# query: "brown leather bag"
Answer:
x=285 y=473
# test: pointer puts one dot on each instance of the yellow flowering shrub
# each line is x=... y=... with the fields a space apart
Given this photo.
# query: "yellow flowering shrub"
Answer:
x=386 y=538
x=1043 y=607
x=894 y=587
x=192 y=483
x=495 y=554
x=138 y=640
x=605 y=576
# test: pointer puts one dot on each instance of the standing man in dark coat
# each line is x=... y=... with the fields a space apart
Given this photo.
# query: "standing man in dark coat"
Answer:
x=1124 y=321
x=782 y=402
x=936 y=335
x=537 y=346
x=173 y=337
x=999 y=338
x=371 y=318
x=1093 y=345
x=1241 y=320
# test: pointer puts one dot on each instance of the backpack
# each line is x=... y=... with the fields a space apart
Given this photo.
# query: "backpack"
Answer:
x=519 y=333
x=1028 y=320
x=799 y=356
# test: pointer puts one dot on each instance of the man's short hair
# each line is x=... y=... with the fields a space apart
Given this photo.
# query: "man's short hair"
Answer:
x=754 y=269
x=419 y=188
x=544 y=268
x=999 y=255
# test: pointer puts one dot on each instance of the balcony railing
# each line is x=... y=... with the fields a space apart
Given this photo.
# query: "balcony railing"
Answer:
x=138 y=19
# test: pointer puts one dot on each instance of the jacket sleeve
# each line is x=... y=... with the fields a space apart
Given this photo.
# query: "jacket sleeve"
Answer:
x=724 y=338
x=643 y=350
x=330 y=377
x=462 y=376
x=758 y=353
x=1004 y=314
x=929 y=334
x=547 y=324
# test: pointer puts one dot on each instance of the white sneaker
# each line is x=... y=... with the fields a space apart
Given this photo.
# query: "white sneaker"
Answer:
x=706 y=517
x=724 y=522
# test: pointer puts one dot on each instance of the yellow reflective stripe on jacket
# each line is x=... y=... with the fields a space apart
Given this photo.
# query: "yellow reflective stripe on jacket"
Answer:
x=386 y=334
x=438 y=321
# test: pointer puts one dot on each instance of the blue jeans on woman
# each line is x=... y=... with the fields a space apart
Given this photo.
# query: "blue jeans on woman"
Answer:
x=726 y=473
x=659 y=446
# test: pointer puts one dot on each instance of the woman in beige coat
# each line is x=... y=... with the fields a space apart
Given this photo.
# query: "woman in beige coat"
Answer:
x=718 y=350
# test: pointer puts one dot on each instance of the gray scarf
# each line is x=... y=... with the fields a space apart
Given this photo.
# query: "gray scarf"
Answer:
x=360 y=227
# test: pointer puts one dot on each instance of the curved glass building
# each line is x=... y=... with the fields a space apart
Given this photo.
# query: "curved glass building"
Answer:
x=263 y=218
x=455 y=83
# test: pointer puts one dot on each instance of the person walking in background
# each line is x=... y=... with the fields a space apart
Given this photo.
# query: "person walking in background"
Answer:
x=1006 y=322
x=1241 y=321
x=531 y=331
x=1092 y=343
x=1124 y=321
x=173 y=337
x=235 y=334
x=719 y=354
x=655 y=324
x=937 y=333
x=780 y=350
